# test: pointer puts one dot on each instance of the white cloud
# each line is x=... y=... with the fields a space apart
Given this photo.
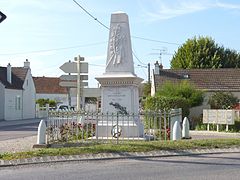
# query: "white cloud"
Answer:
x=162 y=10
x=227 y=5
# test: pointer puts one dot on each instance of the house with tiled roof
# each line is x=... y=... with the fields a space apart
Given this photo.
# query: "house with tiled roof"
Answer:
x=17 y=92
x=49 y=88
x=208 y=80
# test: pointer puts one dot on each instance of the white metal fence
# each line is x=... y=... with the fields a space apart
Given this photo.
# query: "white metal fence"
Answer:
x=42 y=112
x=72 y=126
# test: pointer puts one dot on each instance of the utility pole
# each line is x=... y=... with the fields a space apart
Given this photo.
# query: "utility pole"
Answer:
x=148 y=72
x=79 y=88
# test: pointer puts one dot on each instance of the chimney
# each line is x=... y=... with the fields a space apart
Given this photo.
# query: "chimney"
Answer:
x=157 y=68
x=161 y=66
x=9 y=73
x=26 y=64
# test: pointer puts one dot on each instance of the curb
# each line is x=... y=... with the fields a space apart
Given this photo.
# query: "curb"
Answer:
x=112 y=156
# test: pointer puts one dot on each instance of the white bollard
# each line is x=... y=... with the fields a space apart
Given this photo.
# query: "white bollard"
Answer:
x=176 y=131
x=185 y=128
x=41 y=139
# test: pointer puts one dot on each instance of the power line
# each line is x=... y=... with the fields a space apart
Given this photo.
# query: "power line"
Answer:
x=55 y=49
x=146 y=39
x=98 y=65
x=134 y=54
x=102 y=25
x=91 y=15
x=136 y=37
x=72 y=47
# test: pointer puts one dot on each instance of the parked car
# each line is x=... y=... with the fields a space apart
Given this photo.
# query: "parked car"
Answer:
x=64 y=107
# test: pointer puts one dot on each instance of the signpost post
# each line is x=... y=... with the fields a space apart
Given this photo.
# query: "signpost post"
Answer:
x=69 y=81
x=79 y=92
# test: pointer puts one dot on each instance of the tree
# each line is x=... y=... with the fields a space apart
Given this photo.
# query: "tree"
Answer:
x=203 y=52
x=222 y=100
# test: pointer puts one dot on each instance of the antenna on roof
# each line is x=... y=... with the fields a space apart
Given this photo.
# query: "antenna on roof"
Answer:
x=161 y=51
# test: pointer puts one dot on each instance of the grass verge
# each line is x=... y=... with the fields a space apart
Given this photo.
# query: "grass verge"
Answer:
x=139 y=146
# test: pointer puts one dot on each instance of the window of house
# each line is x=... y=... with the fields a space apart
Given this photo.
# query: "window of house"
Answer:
x=18 y=103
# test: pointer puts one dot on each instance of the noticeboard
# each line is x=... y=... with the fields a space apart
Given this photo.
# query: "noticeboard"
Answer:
x=220 y=116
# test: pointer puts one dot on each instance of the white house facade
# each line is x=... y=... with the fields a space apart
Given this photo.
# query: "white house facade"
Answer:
x=17 y=93
x=48 y=88
x=2 y=100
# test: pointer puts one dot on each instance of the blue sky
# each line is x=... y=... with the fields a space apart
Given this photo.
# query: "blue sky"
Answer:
x=49 y=33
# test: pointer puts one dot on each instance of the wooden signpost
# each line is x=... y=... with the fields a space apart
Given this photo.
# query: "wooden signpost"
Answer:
x=75 y=81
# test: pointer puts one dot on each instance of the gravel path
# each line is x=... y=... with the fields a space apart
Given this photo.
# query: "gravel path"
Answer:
x=18 y=145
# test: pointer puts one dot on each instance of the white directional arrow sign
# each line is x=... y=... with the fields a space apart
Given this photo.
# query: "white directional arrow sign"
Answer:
x=73 y=77
x=72 y=84
x=71 y=67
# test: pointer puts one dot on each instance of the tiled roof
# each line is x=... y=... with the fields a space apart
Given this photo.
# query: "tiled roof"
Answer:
x=206 y=79
x=18 y=77
x=48 y=85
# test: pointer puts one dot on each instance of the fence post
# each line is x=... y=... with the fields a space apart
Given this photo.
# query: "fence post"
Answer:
x=117 y=128
x=185 y=130
x=226 y=127
x=175 y=115
x=47 y=109
x=176 y=131
x=41 y=137
x=37 y=110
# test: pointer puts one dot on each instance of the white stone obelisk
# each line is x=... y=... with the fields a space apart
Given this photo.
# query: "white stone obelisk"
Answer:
x=119 y=83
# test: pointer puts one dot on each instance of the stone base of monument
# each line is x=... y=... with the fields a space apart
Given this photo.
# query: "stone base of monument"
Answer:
x=120 y=129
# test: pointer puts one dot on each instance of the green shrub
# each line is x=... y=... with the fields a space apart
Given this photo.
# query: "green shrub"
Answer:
x=222 y=100
x=42 y=102
x=157 y=103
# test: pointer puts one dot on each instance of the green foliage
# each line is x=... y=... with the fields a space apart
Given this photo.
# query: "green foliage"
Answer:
x=179 y=95
x=146 y=89
x=71 y=131
x=52 y=103
x=183 y=90
x=126 y=146
x=42 y=102
x=222 y=100
x=166 y=103
x=203 y=52
x=235 y=127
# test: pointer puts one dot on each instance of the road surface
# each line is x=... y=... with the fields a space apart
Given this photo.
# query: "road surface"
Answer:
x=214 y=166
x=18 y=131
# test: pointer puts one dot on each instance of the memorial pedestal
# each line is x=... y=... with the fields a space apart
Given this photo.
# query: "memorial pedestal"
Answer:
x=119 y=84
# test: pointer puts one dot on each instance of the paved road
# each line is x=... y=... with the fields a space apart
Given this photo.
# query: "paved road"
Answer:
x=215 y=166
x=18 y=131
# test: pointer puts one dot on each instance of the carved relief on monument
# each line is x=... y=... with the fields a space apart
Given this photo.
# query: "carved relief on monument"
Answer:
x=116 y=45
